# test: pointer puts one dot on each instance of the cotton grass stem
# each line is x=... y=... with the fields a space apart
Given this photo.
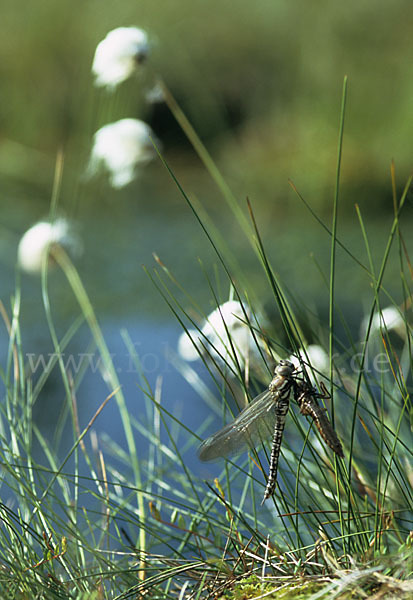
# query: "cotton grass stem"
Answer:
x=332 y=279
x=207 y=160
x=57 y=183
x=334 y=235
x=80 y=293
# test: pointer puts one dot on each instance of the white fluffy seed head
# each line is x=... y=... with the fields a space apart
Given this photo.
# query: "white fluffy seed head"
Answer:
x=119 y=55
x=389 y=318
x=227 y=321
x=120 y=148
x=37 y=240
x=186 y=348
x=317 y=358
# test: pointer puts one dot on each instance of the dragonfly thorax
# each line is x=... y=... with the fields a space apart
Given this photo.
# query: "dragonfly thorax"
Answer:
x=282 y=380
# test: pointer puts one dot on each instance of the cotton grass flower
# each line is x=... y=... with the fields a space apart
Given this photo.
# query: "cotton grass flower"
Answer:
x=40 y=239
x=388 y=319
x=225 y=323
x=156 y=94
x=121 y=148
x=119 y=55
x=313 y=356
x=186 y=348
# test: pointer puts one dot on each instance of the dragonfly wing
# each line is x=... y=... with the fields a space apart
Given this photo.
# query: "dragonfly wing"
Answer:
x=252 y=426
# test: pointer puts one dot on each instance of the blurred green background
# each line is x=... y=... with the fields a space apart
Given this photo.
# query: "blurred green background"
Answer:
x=261 y=84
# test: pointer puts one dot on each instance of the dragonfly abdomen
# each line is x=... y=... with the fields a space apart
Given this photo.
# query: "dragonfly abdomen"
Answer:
x=308 y=406
x=327 y=432
x=281 y=409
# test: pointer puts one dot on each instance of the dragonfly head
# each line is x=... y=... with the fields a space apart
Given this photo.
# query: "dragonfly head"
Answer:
x=285 y=368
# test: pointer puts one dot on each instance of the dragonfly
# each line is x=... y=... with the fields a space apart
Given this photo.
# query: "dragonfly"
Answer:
x=266 y=416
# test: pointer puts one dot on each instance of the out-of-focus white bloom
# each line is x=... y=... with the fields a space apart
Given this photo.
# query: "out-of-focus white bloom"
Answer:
x=229 y=318
x=121 y=148
x=119 y=55
x=317 y=358
x=227 y=321
x=37 y=240
x=186 y=347
x=156 y=94
x=389 y=318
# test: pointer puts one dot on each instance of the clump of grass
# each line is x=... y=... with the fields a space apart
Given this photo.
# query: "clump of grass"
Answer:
x=359 y=511
x=105 y=519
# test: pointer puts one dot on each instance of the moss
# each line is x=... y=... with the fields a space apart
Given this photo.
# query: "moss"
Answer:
x=253 y=587
x=374 y=586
